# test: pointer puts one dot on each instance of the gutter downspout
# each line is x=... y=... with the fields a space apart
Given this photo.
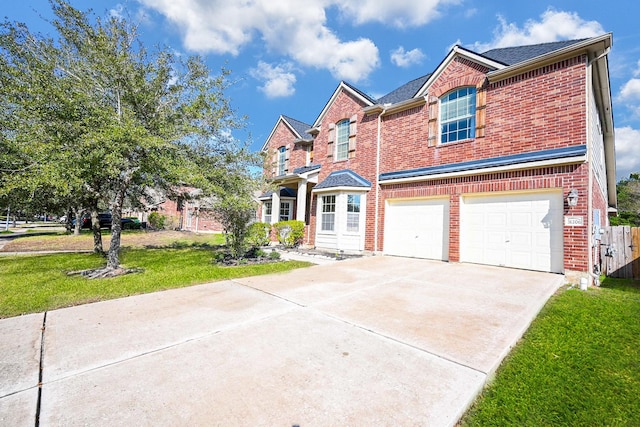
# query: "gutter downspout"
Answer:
x=377 y=204
x=590 y=238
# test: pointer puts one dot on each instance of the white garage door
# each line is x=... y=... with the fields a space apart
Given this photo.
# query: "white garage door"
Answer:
x=417 y=228
x=514 y=230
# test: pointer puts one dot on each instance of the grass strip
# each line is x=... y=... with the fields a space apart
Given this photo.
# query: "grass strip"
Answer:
x=36 y=283
x=577 y=365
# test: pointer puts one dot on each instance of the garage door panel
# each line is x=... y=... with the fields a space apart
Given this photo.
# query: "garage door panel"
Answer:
x=417 y=228
x=516 y=230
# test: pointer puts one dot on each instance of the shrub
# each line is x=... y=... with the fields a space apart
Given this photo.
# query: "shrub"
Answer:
x=290 y=233
x=273 y=255
x=156 y=220
x=258 y=234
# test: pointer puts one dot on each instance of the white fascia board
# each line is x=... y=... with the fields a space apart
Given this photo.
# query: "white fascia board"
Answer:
x=457 y=51
x=342 y=189
x=594 y=44
x=517 y=166
x=341 y=86
x=266 y=142
x=395 y=108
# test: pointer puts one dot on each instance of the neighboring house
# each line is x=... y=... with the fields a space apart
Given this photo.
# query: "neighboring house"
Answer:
x=504 y=158
x=185 y=210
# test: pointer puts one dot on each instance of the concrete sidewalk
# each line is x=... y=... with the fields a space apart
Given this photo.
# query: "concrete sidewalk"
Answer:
x=369 y=341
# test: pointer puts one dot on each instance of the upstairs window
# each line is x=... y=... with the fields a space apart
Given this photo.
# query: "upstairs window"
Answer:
x=282 y=160
x=342 y=140
x=458 y=115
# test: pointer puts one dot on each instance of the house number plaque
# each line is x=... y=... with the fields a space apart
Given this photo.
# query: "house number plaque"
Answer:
x=573 y=221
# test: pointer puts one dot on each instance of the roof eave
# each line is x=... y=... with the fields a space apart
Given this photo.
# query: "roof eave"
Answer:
x=487 y=170
x=395 y=108
x=600 y=43
x=341 y=86
x=456 y=51
x=341 y=188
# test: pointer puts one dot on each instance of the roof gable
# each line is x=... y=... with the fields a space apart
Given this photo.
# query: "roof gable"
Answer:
x=343 y=86
x=457 y=51
x=297 y=128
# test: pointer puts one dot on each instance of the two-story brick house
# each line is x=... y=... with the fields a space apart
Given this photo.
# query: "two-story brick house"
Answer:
x=503 y=158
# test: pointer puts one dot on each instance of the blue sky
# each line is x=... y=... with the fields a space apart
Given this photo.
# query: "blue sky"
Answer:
x=288 y=56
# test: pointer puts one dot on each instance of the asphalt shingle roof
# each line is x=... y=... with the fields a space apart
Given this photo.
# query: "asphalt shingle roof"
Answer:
x=300 y=127
x=304 y=169
x=513 y=55
x=343 y=178
x=404 y=92
x=284 y=192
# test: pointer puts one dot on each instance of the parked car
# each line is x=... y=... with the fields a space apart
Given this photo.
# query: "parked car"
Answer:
x=104 y=218
x=130 y=223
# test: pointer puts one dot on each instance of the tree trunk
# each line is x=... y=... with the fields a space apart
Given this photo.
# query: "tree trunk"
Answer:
x=113 y=256
x=97 y=235
x=69 y=222
x=78 y=212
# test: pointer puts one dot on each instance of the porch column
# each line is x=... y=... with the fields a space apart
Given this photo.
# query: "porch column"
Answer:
x=301 y=211
x=275 y=206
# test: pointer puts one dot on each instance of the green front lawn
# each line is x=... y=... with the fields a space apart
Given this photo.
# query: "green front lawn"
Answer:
x=36 y=283
x=578 y=365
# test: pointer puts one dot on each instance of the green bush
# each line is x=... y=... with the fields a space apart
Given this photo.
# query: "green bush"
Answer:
x=258 y=234
x=290 y=233
x=157 y=220
x=273 y=255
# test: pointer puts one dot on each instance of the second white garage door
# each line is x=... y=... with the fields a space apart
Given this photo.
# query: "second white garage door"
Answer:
x=521 y=230
x=417 y=228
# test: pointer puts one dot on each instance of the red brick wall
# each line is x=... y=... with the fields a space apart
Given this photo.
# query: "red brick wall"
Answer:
x=284 y=137
x=363 y=161
x=542 y=109
x=539 y=110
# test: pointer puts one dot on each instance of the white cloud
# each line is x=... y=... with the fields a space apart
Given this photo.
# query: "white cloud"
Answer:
x=630 y=90
x=553 y=26
x=627 y=151
x=290 y=27
x=403 y=58
x=278 y=80
x=399 y=13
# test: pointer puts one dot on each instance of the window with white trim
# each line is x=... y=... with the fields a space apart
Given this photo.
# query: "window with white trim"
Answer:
x=285 y=210
x=458 y=115
x=266 y=212
x=328 y=213
x=353 y=213
x=282 y=160
x=342 y=140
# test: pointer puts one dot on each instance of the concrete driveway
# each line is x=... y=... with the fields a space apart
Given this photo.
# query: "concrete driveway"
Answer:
x=369 y=341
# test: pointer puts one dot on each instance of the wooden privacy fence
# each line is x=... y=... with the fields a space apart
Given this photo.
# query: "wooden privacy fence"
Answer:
x=620 y=252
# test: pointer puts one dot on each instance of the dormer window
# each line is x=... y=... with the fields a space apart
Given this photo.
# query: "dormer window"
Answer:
x=458 y=115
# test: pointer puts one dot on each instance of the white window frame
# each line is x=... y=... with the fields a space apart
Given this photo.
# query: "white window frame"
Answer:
x=328 y=210
x=455 y=111
x=282 y=160
x=342 y=130
x=353 y=213
x=289 y=208
x=267 y=206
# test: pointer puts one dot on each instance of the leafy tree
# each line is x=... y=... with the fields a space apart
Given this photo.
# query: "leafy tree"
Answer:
x=628 y=191
x=97 y=117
